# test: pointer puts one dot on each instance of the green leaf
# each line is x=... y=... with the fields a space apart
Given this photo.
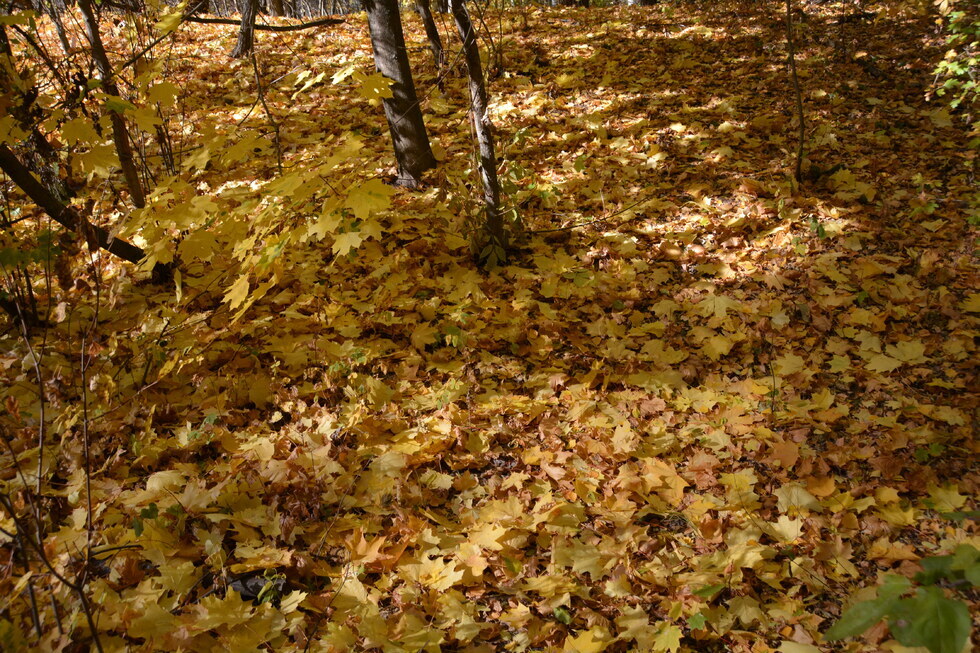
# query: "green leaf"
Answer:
x=708 y=591
x=893 y=586
x=859 y=617
x=563 y=615
x=697 y=622
x=930 y=619
x=966 y=559
x=934 y=569
x=117 y=104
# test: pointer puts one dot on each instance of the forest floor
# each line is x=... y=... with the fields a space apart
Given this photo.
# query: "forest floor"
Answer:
x=699 y=410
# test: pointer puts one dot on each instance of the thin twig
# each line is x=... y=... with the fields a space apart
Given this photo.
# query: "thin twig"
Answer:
x=791 y=60
x=268 y=28
x=268 y=113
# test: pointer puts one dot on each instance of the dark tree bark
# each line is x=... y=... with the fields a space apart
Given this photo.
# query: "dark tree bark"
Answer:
x=62 y=213
x=246 y=33
x=492 y=247
x=41 y=157
x=408 y=136
x=431 y=31
x=120 y=136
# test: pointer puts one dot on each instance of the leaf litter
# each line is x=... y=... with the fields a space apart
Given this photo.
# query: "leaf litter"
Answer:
x=702 y=408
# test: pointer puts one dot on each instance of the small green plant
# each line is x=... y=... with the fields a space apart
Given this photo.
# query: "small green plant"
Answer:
x=928 y=617
x=956 y=74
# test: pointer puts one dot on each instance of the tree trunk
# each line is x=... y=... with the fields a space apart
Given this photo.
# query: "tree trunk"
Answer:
x=119 y=134
x=42 y=158
x=246 y=33
x=55 y=9
x=491 y=247
x=62 y=213
x=408 y=135
x=276 y=8
x=431 y=31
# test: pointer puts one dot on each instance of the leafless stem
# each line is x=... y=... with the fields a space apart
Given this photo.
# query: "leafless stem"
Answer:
x=791 y=60
x=272 y=119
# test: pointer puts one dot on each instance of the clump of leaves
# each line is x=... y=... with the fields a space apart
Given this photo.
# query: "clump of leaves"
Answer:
x=958 y=70
x=926 y=618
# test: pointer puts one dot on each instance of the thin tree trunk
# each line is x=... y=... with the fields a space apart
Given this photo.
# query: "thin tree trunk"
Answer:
x=55 y=9
x=246 y=33
x=431 y=31
x=408 y=135
x=120 y=136
x=42 y=158
x=62 y=213
x=492 y=247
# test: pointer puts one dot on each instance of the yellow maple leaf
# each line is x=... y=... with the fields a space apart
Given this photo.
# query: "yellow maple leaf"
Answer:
x=796 y=647
x=593 y=640
x=488 y=536
x=171 y=21
x=424 y=334
x=153 y=621
x=238 y=292
x=371 y=195
x=291 y=602
x=910 y=351
x=662 y=478
x=100 y=160
x=347 y=241
x=839 y=364
x=946 y=499
x=79 y=130
x=785 y=529
x=439 y=574
x=972 y=303
x=199 y=159
x=668 y=638
x=164 y=93
x=624 y=439
x=792 y=497
x=374 y=87
x=883 y=364
x=789 y=364
x=717 y=305
x=896 y=515
x=717 y=346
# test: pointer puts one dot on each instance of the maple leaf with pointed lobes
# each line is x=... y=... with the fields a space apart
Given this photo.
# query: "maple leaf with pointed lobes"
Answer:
x=347 y=241
x=882 y=363
x=789 y=364
x=238 y=292
x=717 y=306
x=593 y=640
x=371 y=195
x=374 y=87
